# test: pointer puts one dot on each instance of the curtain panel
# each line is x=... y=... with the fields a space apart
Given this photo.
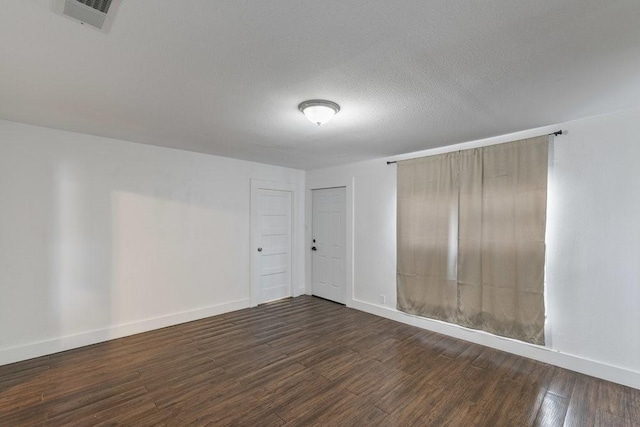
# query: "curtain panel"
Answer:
x=471 y=227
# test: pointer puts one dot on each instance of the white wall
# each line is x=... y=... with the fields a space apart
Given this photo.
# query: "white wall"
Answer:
x=101 y=238
x=593 y=245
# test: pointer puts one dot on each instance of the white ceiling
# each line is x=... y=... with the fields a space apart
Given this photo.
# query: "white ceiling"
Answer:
x=225 y=77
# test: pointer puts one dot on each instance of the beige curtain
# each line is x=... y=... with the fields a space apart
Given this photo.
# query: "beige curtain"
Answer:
x=499 y=194
x=427 y=215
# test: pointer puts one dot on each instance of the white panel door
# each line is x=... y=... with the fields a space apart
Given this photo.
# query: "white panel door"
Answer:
x=273 y=241
x=328 y=259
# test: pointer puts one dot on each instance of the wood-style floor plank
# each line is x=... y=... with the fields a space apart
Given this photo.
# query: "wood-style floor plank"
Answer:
x=303 y=361
x=552 y=411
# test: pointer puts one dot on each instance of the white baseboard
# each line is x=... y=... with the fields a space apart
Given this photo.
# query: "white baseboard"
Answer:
x=543 y=354
x=42 y=348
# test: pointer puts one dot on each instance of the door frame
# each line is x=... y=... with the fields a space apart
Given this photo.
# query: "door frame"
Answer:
x=256 y=185
x=322 y=184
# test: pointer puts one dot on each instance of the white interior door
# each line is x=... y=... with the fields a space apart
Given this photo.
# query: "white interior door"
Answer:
x=328 y=259
x=272 y=244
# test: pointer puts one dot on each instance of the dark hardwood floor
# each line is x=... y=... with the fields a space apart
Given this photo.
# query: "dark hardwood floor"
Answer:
x=303 y=361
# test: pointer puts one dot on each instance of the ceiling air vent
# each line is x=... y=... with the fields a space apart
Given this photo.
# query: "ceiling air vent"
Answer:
x=98 y=14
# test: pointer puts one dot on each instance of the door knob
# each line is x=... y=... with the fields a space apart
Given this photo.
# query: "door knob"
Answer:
x=313 y=248
x=259 y=249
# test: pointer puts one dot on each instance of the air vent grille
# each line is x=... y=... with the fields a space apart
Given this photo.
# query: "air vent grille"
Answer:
x=84 y=14
x=101 y=5
x=98 y=14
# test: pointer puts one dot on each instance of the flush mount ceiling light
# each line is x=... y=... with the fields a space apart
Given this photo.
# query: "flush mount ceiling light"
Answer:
x=319 y=111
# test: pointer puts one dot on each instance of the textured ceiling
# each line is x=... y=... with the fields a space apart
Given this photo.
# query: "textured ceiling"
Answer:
x=225 y=77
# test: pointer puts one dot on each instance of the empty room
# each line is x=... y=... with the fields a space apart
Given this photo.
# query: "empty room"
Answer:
x=292 y=213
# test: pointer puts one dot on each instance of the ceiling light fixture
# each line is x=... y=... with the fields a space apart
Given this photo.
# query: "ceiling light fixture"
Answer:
x=319 y=111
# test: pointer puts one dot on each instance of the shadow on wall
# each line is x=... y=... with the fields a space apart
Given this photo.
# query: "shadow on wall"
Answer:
x=81 y=253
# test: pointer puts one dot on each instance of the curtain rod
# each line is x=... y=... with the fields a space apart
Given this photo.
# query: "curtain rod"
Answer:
x=556 y=133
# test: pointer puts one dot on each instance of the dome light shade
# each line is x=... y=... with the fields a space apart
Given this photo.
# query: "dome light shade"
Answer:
x=319 y=111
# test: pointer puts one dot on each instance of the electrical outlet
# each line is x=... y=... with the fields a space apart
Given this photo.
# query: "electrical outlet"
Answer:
x=383 y=299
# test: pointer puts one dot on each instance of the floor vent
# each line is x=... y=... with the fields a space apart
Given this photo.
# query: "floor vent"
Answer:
x=98 y=14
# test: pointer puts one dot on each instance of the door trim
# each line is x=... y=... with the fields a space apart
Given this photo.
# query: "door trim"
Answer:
x=322 y=184
x=256 y=185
